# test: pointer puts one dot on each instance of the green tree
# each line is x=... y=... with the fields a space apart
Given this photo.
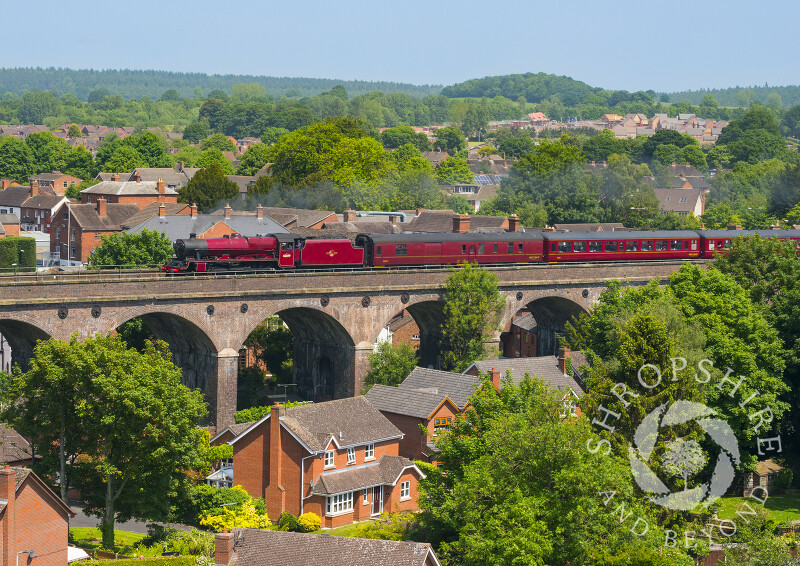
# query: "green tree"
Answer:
x=453 y=170
x=195 y=132
x=220 y=142
x=79 y=163
x=34 y=107
x=49 y=152
x=450 y=139
x=790 y=123
x=208 y=188
x=124 y=159
x=471 y=314
x=74 y=131
x=662 y=137
x=254 y=159
x=16 y=159
x=668 y=153
x=398 y=136
x=273 y=344
x=475 y=120
x=693 y=155
x=390 y=364
x=215 y=156
x=272 y=135
x=146 y=248
x=516 y=147
x=151 y=148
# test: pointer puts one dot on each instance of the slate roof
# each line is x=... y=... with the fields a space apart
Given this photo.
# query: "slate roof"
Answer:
x=672 y=199
x=242 y=181
x=8 y=219
x=55 y=175
x=235 y=429
x=15 y=196
x=525 y=322
x=545 y=367
x=455 y=386
x=361 y=227
x=43 y=201
x=170 y=208
x=441 y=221
x=129 y=188
x=305 y=217
x=279 y=548
x=13 y=447
x=180 y=226
x=766 y=467
x=170 y=176
x=384 y=472
x=351 y=422
x=116 y=214
x=419 y=403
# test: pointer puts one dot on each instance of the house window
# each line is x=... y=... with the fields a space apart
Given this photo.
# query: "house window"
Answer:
x=329 y=463
x=73 y=252
x=351 y=455
x=340 y=503
x=72 y=238
x=441 y=424
x=58 y=233
x=65 y=216
x=369 y=452
x=65 y=184
x=570 y=408
x=366 y=497
x=405 y=490
x=401 y=249
x=415 y=336
x=683 y=199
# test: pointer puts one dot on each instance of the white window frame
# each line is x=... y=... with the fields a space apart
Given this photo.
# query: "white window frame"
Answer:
x=405 y=490
x=365 y=497
x=351 y=456
x=339 y=504
x=369 y=452
x=330 y=459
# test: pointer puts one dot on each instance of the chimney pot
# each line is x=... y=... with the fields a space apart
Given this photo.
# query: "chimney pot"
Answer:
x=349 y=215
x=513 y=223
x=162 y=210
x=461 y=224
x=227 y=210
x=194 y=210
x=34 y=187
x=160 y=185
x=495 y=374
x=259 y=211
x=115 y=177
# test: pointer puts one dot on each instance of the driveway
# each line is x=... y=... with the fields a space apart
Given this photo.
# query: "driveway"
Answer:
x=82 y=520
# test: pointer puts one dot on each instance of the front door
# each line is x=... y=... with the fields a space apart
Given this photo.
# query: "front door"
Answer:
x=377 y=500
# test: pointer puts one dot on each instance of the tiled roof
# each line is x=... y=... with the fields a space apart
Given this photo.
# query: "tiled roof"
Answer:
x=525 y=322
x=55 y=175
x=170 y=176
x=88 y=219
x=419 y=403
x=9 y=219
x=455 y=386
x=305 y=218
x=441 y=221
x=350 y=421
x=13 y=447
x=43 y=201
x=235 y=429
x=545 y=367
x=279 y=548
x=14 y=196
x=170 y=208
x=766 y=467
x=179 y=226
x=673 y=199
x=242 y=181
x=126 y=188
x=384 y=472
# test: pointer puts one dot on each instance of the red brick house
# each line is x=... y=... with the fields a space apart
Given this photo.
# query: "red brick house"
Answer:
x=138 y=192
x=255 y=547
x=56 y=181
x=33 y=520
x=339 y=459
x=77 y=229
x=9 y=225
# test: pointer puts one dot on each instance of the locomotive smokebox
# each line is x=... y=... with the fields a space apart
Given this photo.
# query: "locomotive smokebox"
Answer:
x=190 y=248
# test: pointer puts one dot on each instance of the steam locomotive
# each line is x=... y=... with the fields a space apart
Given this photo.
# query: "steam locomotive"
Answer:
x=291 y=251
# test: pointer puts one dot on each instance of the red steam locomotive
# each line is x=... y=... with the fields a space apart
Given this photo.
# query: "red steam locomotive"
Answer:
x=291 y=251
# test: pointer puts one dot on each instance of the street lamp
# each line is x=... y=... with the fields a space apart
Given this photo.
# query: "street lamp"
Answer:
x=235 y=503
x=30 y=554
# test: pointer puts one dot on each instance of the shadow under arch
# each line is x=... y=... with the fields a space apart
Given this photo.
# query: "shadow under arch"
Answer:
x=429 y=316
x=551 y=315
x=21 y=337
x=324 y=354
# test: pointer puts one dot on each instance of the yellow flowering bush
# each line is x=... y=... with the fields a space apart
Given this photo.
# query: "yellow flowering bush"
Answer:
x=246 y=516
x=308 y=522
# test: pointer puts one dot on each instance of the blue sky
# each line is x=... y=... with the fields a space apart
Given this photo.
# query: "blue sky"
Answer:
x=617 y=44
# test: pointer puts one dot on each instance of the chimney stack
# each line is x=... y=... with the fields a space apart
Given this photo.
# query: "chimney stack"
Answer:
x=734 y=226
x=194 y=210
x=34 y=188
x=259 y=212
x=461 y=224
x=8 y=491
x=102 y=207
x=160 y=185
x=275 y=496
x=495 y=375
x=563 y=355
x=349 y=216
x=394 y=219
x=181 y=169
x=162 y=210
x=223 y=547
x=137 y=177
x=115 y=177
x=5 y=183
x=227 y=210
x=513 y=223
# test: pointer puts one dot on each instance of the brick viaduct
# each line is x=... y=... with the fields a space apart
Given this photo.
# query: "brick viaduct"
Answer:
x=335 y=317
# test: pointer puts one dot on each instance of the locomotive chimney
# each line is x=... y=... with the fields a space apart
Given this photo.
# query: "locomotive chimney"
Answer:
x=461 y=224
x=513 y=223
x=194 y=210
x=227 y=210
x=349 y=216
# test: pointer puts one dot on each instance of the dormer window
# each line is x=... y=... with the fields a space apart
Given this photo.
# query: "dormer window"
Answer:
x=351 y=455
x=329 y=459
x=369 y=452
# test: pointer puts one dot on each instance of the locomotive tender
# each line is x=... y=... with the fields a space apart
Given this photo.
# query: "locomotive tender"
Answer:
x=292 y=251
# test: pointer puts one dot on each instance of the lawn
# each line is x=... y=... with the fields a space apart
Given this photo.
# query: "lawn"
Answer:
x=90 y=537
x=343 y=531
x=783 y=507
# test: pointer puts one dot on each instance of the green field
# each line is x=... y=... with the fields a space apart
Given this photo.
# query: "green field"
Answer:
x=90 y=537
x=783 y=508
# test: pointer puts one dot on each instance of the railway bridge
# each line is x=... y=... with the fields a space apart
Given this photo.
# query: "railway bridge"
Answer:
x=335 y=317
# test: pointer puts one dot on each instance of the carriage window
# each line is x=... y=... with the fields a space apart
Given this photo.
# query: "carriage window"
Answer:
x=719 y=245
x=564 y=247
x=647 y=246
x=511 y=247
x=579 y=247
x=401 y=249
x=631 y=246
x=463 y=248
x=595 y=246
x=710 y=245
x=694 y=245
x=661 y=245
x=378 y=250
x=472 y=249
x=494 y=248
x=611 y=246
x=481 y=249
x=675 y=245
x=553 y=247
x=519 y=248
x=727 y=244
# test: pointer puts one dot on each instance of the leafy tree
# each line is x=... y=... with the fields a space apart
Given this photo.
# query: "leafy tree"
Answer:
x=273 y=344
x=189 y=156
x=74 y=191
x=215 y=156
x=146 y=248
x=693 y=155
x=272 y=134
x=254 y=159
x=401 y=135
x=208 y=188
x=790 y=123
x=49 y=152
x=79 y=163
x=516 y=147
x=171 y=94
x=668 y=153
x=450 y=139
x=74 y=131
x=16 y=159
x=246 y=516
x=475 y=120
x=124 y=159
x=195 y=132
x=390 y=364
x=471 y=313
x=220 y=142
x=453 y=170
x=34 y=107
x=150 y=147
x=664 y=137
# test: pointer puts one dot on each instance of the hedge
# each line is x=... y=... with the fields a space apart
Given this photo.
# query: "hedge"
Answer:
x=165 y=561
x=17 y=250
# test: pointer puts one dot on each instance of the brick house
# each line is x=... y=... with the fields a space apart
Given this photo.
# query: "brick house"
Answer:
x=33 y=520
x=33 y=204
x=255 y=547
x=9 y=225
x=138 y=192
x=57 y=182
x=339 y=459
x=77 y=229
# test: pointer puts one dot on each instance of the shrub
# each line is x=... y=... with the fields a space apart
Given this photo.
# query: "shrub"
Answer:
x=205 y=500
x=245 y=515
x=287 y=522
x=17 y=250
x=784 y=480
x=308 y=522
